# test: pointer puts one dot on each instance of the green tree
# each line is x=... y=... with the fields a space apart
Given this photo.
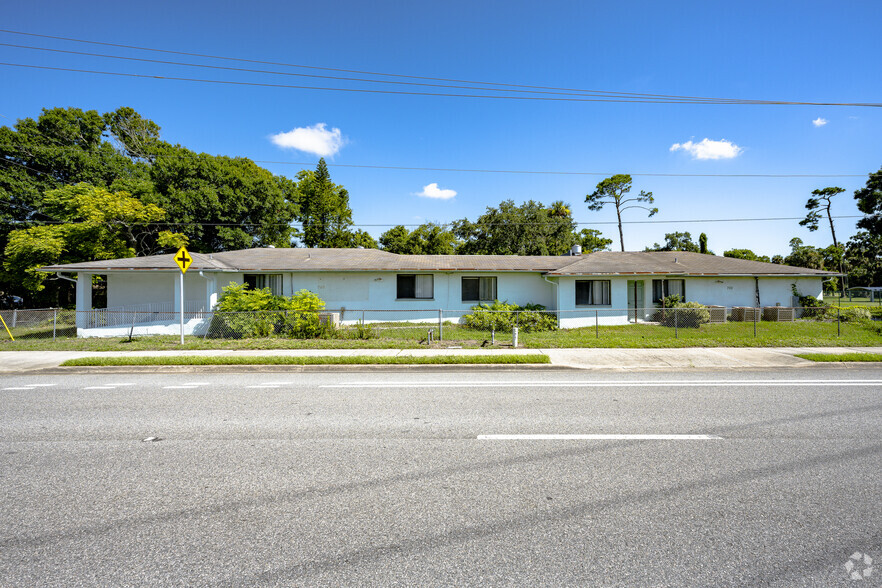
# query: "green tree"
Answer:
x=746 y=254
x=702 y=245
x=613 y=191
x=324 y=215
x=592 y=240
x=222 y=203
x=676 y=242
x=361 y=239
x=529 y=229
x=426 y=239
x=864 y=254
x=95 y=224
x=804 y=255
x=869 y=201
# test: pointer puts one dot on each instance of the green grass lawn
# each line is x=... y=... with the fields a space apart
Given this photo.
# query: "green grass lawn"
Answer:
x=287 y=360
x=393 y=336
x=837 y=357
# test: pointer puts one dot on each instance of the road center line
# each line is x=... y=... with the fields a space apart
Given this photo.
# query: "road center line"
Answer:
x=609 y=383
x=599 y=437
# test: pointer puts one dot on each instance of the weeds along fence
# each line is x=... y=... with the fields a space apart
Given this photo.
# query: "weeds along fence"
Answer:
x=474 y=326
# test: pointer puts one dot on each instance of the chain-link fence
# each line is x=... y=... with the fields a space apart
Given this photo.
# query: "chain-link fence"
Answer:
x=469 y=326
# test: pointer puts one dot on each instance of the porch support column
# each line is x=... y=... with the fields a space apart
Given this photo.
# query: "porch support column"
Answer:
x=84 y=299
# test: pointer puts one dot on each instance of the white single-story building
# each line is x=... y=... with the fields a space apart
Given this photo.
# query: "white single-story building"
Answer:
x=371 y=285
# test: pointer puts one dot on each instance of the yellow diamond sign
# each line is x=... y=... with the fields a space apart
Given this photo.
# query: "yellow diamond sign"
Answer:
x=183 y=259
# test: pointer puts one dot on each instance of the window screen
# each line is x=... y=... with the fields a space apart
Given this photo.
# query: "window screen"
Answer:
x=271 y=281
x=478 y=289
x=419 y=287
x=664 y=288
x=592 y=292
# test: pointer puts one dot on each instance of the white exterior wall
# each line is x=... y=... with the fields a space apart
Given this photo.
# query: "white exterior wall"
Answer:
x=353 y=292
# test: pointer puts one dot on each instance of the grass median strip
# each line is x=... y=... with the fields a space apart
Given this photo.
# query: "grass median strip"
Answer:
x=834 y=357
x=533 y=358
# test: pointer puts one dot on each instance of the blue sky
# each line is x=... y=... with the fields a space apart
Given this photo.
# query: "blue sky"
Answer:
x=794 y=51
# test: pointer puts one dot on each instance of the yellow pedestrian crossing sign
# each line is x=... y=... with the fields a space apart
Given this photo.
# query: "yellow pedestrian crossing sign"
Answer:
x=183 y=259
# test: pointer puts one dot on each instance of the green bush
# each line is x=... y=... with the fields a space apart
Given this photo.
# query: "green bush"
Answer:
x=245 y=313
x=501 y=316
x=855 y=314
x=683 y=314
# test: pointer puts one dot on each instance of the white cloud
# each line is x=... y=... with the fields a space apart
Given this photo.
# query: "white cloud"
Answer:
x=316 y=139
x=432 y=191
x=707 y=149
x=819 y=122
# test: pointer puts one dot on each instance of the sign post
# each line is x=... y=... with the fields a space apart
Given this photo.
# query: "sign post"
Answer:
x=183 y=259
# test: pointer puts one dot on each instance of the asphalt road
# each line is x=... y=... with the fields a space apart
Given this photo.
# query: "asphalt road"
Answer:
x=381 y=479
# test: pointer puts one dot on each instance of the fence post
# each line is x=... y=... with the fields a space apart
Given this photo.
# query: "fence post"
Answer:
x=838 y=323
x=514 y=337
x=54 y=323
x=362 y=318
x=440 y=325
x=676 y=328
x=597 y=324
x=755 y=313
x=14 y=316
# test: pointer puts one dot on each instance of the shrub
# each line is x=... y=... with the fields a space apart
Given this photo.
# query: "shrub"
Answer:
x=245 y=313
x=855 y=314
x=501 y=316
x=301 y=317
x=684 y=314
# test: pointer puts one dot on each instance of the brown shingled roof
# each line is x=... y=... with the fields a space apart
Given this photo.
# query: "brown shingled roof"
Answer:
x=301 y=259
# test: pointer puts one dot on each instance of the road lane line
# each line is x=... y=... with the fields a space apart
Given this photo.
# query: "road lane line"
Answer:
x=599 y=437
x=41 y=385
x=100 y=388
x=19 y=388
x=609 y=383
x=182 y=387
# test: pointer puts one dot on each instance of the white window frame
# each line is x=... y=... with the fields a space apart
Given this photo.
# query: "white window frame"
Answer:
x=486 y=288
x=598 y=288
x=423 y=287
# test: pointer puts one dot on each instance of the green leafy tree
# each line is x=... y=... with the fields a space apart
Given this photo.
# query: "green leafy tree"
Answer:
x=361 y=239
x=592 y=240
x=864 y=254
x=869 y=201
x=426 y=239
x=802 y=255
x=529 y=229
x=324 y=215
x=222 y=203
x=95 y=224
x=746 y=254
x=702 y=245
x=676 y=242
x=613 y=191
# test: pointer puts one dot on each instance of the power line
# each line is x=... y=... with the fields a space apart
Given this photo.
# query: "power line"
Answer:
x=363 y=72
x=352 y=79
x=497 y=171
x=411 y=93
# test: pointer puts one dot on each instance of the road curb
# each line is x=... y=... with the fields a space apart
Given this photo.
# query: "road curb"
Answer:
x=244 y=368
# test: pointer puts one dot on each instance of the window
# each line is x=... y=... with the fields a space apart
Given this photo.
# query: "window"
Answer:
x=271 y=281
x=664 y=288
x=419 y=287
x=478 y=289
x=592 y=292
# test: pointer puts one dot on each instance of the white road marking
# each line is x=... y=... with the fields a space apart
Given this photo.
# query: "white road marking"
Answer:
x=195 y=384
x=609 y=383
x=600 y=437
x=18 y=388
x=100 y=388
x=41 y=385
x=122 y=384
x=182 y=387
x=264 y=386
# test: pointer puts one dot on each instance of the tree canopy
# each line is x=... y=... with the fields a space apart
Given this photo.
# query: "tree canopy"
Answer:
x=528 y=229
x=869 y=201
x=746 y=254
x=426 y=239
x=676 y=242
x=593 y=240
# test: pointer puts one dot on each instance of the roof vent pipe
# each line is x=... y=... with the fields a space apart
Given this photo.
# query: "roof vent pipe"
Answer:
x=576 y=250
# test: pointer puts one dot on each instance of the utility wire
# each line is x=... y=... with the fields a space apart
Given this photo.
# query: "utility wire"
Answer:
x=412 y=93
x=352 y=79
x=363 y=72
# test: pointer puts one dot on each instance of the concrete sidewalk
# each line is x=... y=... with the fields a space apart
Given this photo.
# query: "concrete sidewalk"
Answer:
x=607 y=359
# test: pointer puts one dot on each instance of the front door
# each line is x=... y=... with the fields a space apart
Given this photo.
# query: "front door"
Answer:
x=635 y=300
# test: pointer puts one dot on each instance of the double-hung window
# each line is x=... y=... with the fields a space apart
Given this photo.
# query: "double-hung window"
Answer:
x=592 y=293
x=415 y=287
x=664 y=288
x=479 y=289
x=271 y=281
